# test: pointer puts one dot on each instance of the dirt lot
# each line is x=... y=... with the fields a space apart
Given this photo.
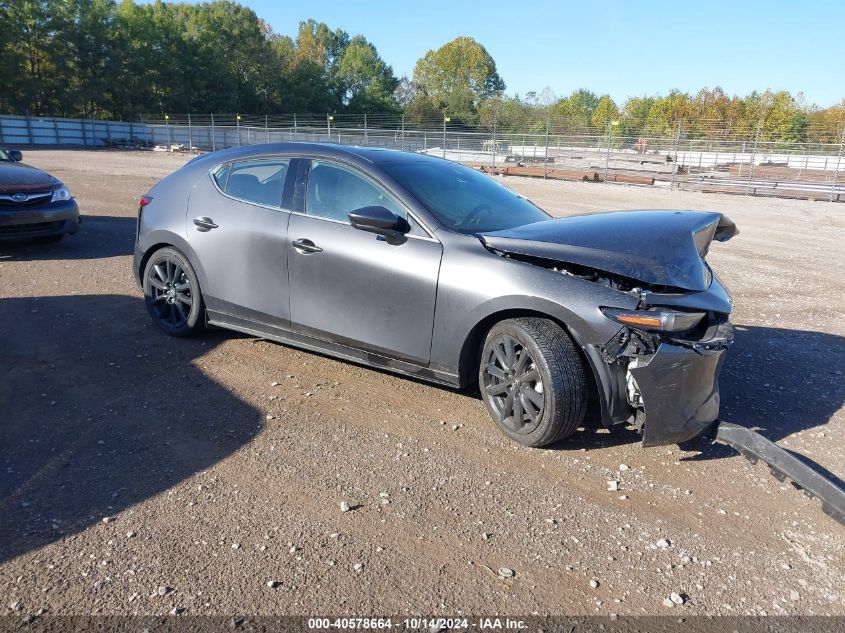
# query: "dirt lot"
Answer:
x=133 y=465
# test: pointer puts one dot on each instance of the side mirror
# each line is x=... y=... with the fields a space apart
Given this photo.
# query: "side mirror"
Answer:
x=15 y=155
x=378 y=220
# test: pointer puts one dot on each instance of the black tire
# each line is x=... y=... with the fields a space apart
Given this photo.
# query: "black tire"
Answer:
x=552 y=369
x=172 y=293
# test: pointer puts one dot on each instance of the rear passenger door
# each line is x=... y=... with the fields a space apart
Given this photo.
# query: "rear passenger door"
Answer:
x=237 y=225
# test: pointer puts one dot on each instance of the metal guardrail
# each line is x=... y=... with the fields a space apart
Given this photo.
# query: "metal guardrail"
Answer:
x=712 y=158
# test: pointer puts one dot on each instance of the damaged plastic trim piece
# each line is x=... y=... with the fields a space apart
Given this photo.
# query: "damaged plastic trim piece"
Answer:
x=784 y=465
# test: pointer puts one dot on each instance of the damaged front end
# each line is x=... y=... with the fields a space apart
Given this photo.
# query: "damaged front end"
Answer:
x=671 y=377
x=660 y=373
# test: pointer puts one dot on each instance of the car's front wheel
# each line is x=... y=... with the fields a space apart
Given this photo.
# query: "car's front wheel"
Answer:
x=532 y=380
x=172 y=293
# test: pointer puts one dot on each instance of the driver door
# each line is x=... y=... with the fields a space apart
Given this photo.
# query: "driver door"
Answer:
x=352 y=287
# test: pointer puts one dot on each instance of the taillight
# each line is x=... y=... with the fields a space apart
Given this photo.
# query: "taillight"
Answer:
x=144 y=201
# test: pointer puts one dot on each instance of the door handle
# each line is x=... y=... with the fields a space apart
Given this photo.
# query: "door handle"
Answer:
x=203 y=222
x=306 y=246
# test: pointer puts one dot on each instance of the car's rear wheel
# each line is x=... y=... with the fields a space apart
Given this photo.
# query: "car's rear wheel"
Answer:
x=532 y=381
x=172 y=293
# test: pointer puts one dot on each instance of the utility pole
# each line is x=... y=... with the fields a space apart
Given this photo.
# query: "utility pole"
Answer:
x=834 y=196
x=495 y=126
x=546 y=156
x=753 y=156
x=675 y=152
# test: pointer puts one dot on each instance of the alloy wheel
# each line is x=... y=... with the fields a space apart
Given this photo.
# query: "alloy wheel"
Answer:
x=171 y=296
x=512 y=385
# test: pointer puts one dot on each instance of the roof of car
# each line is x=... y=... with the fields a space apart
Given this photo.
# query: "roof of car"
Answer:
x=370 y=154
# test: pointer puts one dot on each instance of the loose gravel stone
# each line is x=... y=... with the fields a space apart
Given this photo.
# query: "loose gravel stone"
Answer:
x=676 y=598
x=663 y=543
x=345 y=506
x=272 y=584
x=594 y=583
x=506 y=572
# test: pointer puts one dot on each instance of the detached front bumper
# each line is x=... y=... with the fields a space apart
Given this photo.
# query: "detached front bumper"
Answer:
x=56 y=218
x=679 y=387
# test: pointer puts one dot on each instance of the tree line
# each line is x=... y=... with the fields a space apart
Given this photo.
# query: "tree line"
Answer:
x=101 y=58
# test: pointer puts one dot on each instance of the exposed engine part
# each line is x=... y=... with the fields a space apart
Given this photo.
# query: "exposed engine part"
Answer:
x=632 y=390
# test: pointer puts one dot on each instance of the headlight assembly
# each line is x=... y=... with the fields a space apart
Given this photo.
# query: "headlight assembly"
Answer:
x=61 y=194
x=655 y=320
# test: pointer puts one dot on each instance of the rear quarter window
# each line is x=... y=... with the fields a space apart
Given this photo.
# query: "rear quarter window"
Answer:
x=220 y=175
x=261 y=181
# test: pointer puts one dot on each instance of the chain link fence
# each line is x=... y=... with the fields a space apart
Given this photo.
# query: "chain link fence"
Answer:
x=708 y=156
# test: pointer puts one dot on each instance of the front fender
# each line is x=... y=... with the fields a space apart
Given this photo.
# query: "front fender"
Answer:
x=476 y=285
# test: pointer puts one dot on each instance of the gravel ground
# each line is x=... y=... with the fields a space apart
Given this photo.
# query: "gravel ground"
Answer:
x=140 y=474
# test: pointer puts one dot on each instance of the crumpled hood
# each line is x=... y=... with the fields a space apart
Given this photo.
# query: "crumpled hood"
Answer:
x=664 y=248
x=18 y=177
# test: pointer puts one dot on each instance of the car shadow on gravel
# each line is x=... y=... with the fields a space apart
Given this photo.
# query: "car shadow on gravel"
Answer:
x=779 y=382
x=100 y=411
x=99 y=236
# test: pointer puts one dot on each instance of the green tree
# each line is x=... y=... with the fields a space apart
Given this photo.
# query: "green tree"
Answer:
x=635 y=115
x=666 y=112
x=368 y=83
x=576 y=110
x=605 y=113
x=459 y=76
x=92 y=55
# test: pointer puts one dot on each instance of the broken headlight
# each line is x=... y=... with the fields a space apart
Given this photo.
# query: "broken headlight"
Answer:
x=655 y=320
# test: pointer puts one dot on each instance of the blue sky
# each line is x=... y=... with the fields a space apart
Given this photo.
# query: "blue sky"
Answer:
x=615 y=47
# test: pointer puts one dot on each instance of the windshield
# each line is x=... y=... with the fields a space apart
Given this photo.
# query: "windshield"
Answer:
x=4 y=155
x=463 y=199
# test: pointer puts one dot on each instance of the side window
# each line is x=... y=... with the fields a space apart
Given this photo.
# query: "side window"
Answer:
x=334 y=191
x=261 y=180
